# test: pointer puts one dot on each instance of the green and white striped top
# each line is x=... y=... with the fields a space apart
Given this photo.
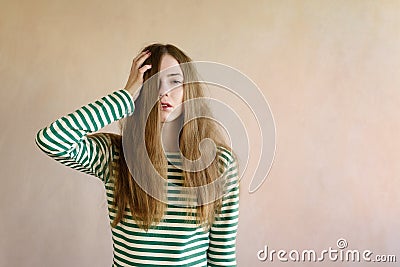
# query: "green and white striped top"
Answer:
x=175 y=241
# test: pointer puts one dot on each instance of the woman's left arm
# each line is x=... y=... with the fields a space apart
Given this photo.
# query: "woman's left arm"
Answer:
x=222 y=246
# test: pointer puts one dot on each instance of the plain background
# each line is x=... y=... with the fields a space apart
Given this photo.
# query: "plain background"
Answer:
x=330 y=71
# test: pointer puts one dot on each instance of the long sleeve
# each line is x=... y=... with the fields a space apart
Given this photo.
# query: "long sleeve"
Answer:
x=222 y=246
x=68 y=139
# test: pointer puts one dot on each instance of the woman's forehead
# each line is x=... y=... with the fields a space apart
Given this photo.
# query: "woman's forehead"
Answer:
x=169 y=66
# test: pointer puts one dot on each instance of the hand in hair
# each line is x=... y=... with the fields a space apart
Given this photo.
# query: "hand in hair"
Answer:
x=135 y=79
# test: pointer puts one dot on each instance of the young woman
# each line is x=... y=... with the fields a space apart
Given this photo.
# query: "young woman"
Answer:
x=187 y=229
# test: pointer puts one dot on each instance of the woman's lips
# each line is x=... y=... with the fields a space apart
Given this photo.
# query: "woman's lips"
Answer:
x=166 y=106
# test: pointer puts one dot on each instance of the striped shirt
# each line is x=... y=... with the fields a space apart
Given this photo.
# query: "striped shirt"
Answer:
x=176 y=240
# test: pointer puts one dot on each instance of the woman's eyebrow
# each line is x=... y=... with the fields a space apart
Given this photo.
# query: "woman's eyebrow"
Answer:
x=174 y=74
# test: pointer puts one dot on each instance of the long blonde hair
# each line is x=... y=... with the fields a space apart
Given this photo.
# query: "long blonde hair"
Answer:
x=145 y=209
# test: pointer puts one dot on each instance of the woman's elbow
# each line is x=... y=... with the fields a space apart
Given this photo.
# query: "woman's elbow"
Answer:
x=47 y=144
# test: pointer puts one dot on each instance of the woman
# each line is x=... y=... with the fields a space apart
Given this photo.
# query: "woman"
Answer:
x=187 y=228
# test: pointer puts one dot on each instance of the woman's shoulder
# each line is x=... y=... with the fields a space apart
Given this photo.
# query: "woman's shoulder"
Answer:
x=226 y=155
x=230 y=169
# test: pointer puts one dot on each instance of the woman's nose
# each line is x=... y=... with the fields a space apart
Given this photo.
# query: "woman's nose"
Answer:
x=163 y=93
x=164 y=90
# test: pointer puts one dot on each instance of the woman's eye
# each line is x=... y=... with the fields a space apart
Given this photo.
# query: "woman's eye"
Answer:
x=176 y=82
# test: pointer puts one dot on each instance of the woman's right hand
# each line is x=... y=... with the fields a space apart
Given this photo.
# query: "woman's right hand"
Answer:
x=135 y=80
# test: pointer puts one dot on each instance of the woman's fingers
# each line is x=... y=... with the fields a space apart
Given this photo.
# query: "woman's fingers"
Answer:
x=141 y=58
x=140 y=55
x=135 y=79
x=144 y=69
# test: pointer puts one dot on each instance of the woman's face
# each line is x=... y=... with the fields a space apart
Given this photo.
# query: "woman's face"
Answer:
x=171 y=88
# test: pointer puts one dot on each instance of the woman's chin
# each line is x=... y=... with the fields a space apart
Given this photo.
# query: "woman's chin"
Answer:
x=169 y=117
x=164 y=118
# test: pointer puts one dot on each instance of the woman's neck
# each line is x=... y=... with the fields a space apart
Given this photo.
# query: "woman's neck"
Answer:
x=170 y=134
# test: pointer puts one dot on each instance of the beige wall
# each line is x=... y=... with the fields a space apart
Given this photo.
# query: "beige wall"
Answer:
x=329 y=69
